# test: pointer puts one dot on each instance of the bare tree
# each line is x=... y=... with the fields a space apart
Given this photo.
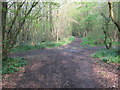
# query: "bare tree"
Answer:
x=10 y=37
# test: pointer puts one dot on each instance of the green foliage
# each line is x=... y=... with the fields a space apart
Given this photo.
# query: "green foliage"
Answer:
x=109 y=56
x=91 y=17
x=42 y=45
x=90 y=41
x=55 y=44
x=11 y=65
x=116 y=43
x=71 y=38
x=87 y=41
x=23 y=48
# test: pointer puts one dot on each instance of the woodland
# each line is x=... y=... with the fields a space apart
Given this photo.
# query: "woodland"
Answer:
x=33 y=30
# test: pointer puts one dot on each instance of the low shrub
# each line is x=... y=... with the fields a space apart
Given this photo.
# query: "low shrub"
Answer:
x=11 y=65
x=42 y=45
x=109 y=56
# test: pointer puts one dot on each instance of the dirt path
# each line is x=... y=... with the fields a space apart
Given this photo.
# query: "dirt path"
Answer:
x=68 y=66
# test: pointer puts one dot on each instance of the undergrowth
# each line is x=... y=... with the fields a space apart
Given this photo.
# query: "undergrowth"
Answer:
x=42 y=45
x=108 y=56
x=12 y=65
x=86 y=41
x=95 y=42
x=90 y=42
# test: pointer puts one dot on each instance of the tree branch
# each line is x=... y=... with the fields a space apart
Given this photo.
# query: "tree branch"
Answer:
x=14 y=19
x=19 y=28
x=112 y=15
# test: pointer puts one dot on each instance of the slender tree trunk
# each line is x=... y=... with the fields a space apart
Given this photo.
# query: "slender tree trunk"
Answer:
x=51 y=19
x=57 y=27
x=3 y=19
x=105 y=41
x=119 y=23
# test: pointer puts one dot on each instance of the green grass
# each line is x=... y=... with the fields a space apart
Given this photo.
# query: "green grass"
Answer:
x=87 y=41
x=42 y=45
x=11 y=65
x=92 y=42
x=116 y=43
x=108 y=56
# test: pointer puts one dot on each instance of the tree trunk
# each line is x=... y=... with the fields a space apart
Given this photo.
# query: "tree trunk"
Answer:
x=0 y=32
x=117 y=24
x=112 y=15
x=105 y=41
x=51 y=19
x=3 y=19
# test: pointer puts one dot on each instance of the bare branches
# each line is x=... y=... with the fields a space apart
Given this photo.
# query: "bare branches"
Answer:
x=18 y=29
x=9 y=36
x=14 y=19
x=11 y=5
x=107 y=18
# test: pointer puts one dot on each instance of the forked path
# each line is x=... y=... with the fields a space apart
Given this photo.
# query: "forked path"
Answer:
x=67 y=66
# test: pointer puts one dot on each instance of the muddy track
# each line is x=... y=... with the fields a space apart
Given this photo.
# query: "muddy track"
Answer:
x=67 y=66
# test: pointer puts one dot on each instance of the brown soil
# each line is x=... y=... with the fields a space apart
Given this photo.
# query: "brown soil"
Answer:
x=67 y=66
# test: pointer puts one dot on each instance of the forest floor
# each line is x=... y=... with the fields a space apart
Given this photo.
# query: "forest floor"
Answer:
x=67 y=66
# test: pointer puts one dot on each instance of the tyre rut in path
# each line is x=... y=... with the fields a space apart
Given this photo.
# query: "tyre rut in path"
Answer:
x=67 y=66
